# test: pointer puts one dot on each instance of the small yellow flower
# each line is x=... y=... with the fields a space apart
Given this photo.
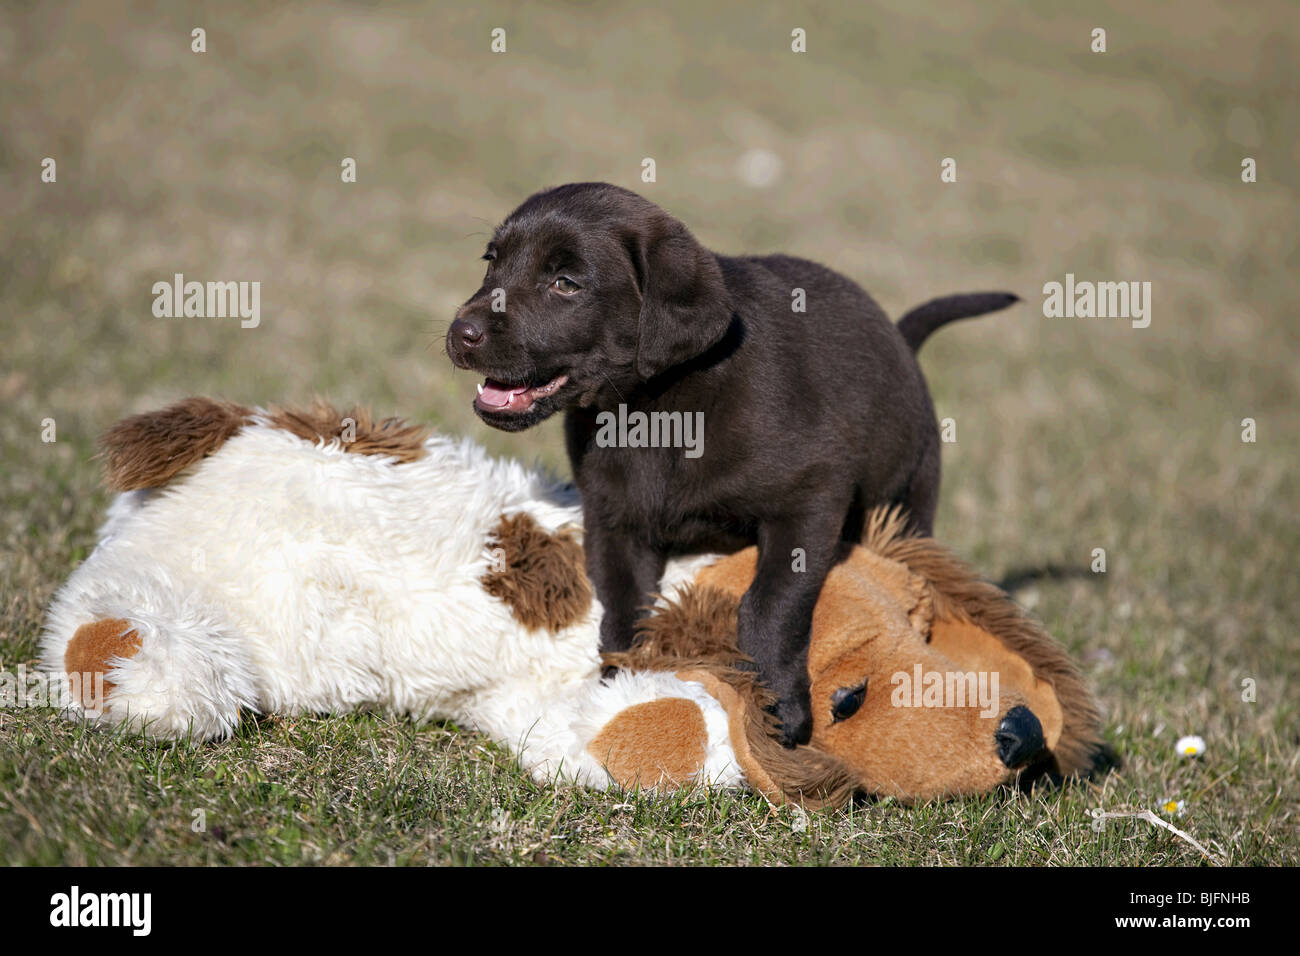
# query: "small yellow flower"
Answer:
x=1174 y=807
x=1190 y=746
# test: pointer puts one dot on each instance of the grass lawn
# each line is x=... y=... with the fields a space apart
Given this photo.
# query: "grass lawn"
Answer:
x=1072 y=434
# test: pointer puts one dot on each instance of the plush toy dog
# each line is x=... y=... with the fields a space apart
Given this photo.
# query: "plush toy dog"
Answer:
x=280 y=561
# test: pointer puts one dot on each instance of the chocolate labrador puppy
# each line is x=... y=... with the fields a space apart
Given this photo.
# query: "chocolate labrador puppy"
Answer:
x=711 y=402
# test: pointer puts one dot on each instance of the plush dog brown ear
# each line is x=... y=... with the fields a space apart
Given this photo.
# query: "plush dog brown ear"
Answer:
x=684 y=303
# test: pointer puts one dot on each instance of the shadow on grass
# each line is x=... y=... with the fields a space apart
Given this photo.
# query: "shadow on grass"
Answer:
x=1021 y=577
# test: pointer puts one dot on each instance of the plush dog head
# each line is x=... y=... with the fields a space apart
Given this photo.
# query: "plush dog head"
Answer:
x=926 y=682
x=590 y=290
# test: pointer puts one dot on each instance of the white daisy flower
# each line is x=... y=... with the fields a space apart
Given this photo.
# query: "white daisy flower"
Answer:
x=1190 y=746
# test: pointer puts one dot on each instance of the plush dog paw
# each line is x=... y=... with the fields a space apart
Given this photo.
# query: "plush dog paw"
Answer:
x=659 y=743
x=88 y=659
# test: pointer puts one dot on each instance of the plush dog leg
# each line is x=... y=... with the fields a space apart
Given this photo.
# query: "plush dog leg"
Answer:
x=646 y=729
x=127 y=647
x=92 y=654
x=661 y=743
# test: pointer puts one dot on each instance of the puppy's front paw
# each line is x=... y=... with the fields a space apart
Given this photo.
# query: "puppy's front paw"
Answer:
x=795 y=714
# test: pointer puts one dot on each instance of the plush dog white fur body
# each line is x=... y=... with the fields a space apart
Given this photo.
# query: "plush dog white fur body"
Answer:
x=282 y=576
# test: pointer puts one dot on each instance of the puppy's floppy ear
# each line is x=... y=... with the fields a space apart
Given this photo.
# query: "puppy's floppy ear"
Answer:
x=684 y=304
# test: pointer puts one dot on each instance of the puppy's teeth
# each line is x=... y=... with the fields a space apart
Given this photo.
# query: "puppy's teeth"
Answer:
x=480 y=388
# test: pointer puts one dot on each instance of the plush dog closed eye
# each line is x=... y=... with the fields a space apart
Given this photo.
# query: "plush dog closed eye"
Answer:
x=598 y=303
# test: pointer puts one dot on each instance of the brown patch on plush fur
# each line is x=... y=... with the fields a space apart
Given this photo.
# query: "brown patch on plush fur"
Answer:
x=958 y=594
x=91 y=647
x=697 y=633
x=149 y=450
x=652 y=744
x=321 y=421
x=543 y=578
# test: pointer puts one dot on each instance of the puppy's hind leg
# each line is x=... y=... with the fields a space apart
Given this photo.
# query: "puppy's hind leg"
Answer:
x=922 y=496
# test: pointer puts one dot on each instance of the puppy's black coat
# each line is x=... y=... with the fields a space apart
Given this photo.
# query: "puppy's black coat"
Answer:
x=595 y=297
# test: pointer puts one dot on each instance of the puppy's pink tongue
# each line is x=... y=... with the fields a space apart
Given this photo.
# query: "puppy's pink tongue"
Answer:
x=498 y=395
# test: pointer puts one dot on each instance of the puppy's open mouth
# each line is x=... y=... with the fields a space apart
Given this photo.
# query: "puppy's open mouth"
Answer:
x=494 y=396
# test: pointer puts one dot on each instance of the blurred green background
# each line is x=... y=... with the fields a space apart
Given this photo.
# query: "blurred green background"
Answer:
x=1073 y=434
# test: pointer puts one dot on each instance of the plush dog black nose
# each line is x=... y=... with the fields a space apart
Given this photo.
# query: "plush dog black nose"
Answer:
x=1019 y=737
x=465 y=330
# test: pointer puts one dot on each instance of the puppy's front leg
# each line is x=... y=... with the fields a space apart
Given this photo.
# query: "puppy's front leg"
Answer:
x=794 y=556
x=625 y=572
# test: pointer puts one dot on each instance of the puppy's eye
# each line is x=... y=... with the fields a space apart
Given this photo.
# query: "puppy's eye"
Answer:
x=846 y=701
x=565 y=286
x=490 y=255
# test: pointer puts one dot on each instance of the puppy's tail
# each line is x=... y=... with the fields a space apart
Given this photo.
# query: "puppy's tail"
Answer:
x=917 y=325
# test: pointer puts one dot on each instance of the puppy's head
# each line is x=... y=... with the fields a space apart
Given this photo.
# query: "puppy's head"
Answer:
x=590 y=291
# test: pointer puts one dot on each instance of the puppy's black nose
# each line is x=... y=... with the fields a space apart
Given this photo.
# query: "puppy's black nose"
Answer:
x=1019 y=737
x=467 y=332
